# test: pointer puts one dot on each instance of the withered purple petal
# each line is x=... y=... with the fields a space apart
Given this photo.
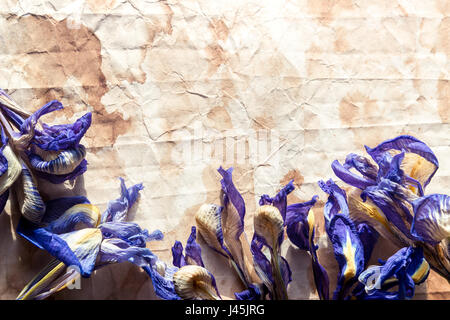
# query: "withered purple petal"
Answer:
x=60 y=178
x=193 y=250
x=297 y=227
x=177 y=254
x=349 y=177
x=117 y=210
x=431 y=221
x=62 y=137
x=408 y=144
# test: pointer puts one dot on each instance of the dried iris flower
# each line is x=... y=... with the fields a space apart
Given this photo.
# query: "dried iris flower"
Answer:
x=222 y=228
x=53 y=153
x=74 y=232
x=389 y=196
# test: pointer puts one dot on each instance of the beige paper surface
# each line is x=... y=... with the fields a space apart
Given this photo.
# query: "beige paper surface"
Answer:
x=321 y=78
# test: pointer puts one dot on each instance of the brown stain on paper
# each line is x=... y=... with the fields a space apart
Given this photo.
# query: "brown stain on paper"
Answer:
x=219 y=29
x=328 y=10
x=357 y=109
x=163 y=26
x=51 y=53
x=220 y=118
x=216 y=57
x=443 y=91
x=298 y=178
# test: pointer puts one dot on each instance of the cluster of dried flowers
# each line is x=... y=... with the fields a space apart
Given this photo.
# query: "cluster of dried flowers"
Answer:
x=385 y=197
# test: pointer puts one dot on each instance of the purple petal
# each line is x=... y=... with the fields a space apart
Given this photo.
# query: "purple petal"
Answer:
x=348 y=251
x=382 y=196
x=193 y=250
x=62 y=137
x=252 y=293
x=349 y=177
x=56 y=207
x=407 y=144
x=3 y=199
x=431 y=218
x=362 y=165
x=337 y=201
x=262 y=264
x=297 y=227
x=164 y=288
x=117 y=210
x=405 y=268
x=155 y=235
x=31 y=121
x=117 y=251
x=178 y=259
x=368 y=237
x=60 y=178
x=129 y=232
x=232 y=195
x=321 y=279
x=280 y=200
x=285 y=272
x=56 y=246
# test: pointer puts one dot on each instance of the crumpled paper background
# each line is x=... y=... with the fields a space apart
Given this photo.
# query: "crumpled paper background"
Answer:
x=325 y=77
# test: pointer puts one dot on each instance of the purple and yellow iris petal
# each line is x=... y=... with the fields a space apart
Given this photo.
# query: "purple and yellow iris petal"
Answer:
x=60 y=178
x=298 y=228
x=234 y=197
x=347 y=245
x=222 y=228
x=431 y=218
x=32 y=207
x=405 y=269
x=348 y=251
x=366 y=212
x=209 y=223
x=336 y=203
x=235 y=242
x=11 y=169
x=78 y=248
x=395 y=213
x=86 y=215
x=162 y=281
x=420 y=163
x=85 y=244
x=56 y=207
x=61 y=163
